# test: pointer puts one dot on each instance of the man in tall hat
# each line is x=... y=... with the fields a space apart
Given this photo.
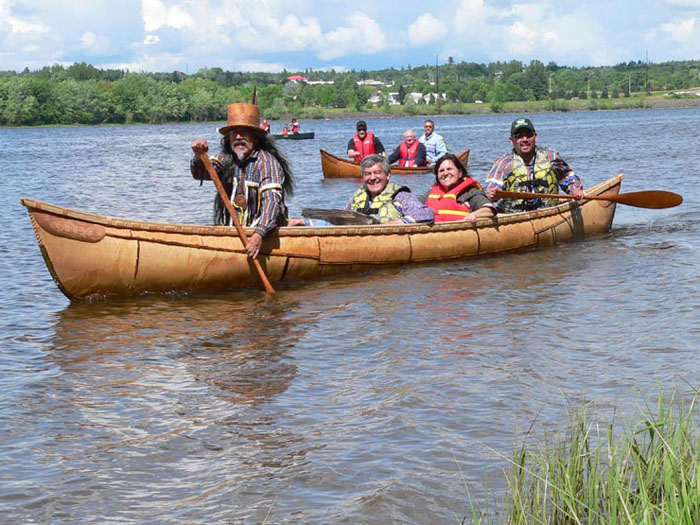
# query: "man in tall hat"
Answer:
x=254 y=173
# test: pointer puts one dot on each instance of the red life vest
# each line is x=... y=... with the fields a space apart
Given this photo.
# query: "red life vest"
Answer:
x=266 y=127
x=408 y=155
x=444 y=203
x=295 y=127
x=363 y=147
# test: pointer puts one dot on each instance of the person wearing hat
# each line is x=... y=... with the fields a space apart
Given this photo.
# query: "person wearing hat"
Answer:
x=364 y=143
x=530 y=168
x=254 y=173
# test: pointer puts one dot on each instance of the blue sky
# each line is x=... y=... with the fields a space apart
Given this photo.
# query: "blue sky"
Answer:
x=271 y=35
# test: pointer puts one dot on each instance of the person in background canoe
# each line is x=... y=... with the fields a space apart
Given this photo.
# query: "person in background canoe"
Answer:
x=364 y=143
x=435 y=146
x=265 y=126
x=530 y=168
x=387 y=201
x=294 y=126
x=455 y=196
x=410 y=152
x=253 y=171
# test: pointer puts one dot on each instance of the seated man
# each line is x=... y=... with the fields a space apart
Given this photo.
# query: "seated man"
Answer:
x=435 y=146
x=531 y=169
x=364 y=143
x=254 y=173
x=410 y=152
x=377 y=197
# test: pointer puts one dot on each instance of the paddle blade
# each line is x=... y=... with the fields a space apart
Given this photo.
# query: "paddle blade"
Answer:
x=338 y=217
x=653 y=199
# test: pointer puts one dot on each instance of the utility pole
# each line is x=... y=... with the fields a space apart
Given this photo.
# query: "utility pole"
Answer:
x=437 y=83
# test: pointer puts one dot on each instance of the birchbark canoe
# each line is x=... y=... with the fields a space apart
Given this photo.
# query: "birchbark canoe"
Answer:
x=335 y=167
x=90 y=255
x=295 y=136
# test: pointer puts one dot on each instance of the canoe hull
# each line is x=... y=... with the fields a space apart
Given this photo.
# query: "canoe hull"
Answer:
x=90 y=255
x=335 y=167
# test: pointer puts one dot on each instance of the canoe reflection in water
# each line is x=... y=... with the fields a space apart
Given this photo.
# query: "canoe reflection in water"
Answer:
x=236 y=346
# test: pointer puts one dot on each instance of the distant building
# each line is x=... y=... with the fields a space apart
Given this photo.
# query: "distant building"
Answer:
x=298 y=78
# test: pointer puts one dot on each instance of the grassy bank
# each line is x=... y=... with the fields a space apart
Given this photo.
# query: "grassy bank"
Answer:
x=655 y=101
x=646 y=474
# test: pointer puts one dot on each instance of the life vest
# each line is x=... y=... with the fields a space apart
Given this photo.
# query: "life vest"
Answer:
x=445 y=204
x=266 y=127
x=295 y=128
x=363 y=147
x=544 y=180
x=408 y=155
x=285 y=132
x=383 y=206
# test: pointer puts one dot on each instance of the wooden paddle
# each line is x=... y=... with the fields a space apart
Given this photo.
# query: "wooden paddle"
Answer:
x=204 y=159
x=653 y=199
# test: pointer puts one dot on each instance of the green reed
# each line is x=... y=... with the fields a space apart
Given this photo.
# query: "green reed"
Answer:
x=648 y=474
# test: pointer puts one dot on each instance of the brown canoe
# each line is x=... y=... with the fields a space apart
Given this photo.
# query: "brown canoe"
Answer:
x=334 y=167
x=90 y=255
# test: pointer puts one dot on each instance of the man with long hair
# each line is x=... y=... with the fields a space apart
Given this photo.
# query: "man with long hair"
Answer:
x=254 y=173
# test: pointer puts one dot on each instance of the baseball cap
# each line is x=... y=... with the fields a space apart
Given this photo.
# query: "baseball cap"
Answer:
x=521 y=123
x=361 y=124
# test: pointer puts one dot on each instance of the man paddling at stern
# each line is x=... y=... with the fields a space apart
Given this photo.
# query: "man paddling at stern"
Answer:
x=530 y=168
x=254 y=173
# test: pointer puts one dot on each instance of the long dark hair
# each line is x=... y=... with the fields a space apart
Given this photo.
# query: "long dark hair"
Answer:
x=455 y=159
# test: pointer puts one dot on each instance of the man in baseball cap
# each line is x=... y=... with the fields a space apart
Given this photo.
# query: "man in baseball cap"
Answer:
x=530 y=168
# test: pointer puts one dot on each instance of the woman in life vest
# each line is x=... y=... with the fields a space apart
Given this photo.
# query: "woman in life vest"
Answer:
x=455 y=196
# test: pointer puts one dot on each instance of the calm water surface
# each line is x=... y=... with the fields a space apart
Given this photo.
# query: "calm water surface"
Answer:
x=363 y=399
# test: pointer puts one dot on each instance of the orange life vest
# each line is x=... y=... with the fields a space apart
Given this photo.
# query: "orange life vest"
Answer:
x=363 y=147
x=408 y=155
x=444 y=203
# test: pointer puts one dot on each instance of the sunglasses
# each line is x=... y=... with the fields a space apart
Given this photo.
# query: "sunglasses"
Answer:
x=524 y=133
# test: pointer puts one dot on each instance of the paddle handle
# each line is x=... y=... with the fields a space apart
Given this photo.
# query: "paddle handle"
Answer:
x=204 y=159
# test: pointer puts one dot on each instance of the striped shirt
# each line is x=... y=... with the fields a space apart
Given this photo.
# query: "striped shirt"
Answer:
x=262 y=177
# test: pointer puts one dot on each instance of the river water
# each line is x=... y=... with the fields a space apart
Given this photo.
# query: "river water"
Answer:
x=390 y=396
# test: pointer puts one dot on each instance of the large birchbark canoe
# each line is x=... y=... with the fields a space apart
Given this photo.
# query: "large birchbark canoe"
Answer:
x=335 y=167
x=90 y=255
x=295 y=136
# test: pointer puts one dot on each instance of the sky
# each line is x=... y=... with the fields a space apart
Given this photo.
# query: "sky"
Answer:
x=296 y=35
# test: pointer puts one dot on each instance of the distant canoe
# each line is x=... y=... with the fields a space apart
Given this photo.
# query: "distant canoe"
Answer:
x=90 y=255
x=295 y=136
x=334 y=167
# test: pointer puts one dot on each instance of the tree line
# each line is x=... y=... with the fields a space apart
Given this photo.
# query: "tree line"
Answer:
x=84 y=94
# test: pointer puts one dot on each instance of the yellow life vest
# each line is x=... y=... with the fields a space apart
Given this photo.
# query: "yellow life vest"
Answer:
x=382 y=206
x=544 y=180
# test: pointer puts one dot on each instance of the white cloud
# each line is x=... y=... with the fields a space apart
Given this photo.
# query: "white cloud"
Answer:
x=682 y=30
x=157 y=15
x=425 y=29
x=684 y=3
x=361 y=35
x=151 y=40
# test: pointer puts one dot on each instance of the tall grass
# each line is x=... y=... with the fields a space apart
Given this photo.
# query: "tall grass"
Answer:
x=647 y=474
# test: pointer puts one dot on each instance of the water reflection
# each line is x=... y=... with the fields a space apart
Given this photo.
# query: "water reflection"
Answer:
x=238 y=347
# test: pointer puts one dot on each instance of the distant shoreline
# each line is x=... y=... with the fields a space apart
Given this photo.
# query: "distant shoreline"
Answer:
x=526 y=107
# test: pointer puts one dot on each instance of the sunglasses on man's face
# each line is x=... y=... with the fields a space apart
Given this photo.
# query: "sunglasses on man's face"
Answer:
x=525 y=133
